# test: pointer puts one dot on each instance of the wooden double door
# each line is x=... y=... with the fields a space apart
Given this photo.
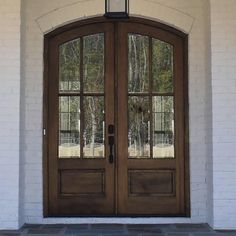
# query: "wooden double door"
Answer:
x=115 y=138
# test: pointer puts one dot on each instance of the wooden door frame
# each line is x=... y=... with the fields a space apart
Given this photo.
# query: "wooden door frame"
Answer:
x=96 y=20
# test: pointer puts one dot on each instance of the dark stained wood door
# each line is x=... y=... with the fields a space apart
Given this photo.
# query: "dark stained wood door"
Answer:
x=151 y=116
x=115 y=120
x=80 y=109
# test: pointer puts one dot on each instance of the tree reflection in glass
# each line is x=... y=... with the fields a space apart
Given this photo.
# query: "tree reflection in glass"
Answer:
x=69 y=66
x=69 y=127
x=93 y=52
x=163 y=127
x=139 y=127
x=138 y=63
x=162 y=66
x=93 y=127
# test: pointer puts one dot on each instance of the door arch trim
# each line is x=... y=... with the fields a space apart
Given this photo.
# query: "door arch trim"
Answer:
x=76 y=11
x=101 y=19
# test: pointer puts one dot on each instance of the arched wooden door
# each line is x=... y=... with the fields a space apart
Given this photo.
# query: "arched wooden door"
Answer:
x=115 y=121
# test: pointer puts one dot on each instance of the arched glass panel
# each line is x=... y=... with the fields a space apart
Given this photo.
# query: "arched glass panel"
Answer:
x=150 y=104
x=81 y=116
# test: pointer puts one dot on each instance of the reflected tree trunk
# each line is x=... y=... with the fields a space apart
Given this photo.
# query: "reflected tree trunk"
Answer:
x=136 y=69
x=93 y=122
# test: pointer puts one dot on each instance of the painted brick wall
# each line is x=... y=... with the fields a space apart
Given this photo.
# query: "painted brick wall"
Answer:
x=208 y=111
x=223 y=34
x=213 y=197
x=41 y=16
x=9 y=106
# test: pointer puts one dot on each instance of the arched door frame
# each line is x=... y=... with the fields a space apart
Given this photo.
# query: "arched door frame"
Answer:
x=96 y=20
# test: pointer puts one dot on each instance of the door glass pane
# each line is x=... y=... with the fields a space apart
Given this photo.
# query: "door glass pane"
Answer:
x=162 y=66
x=93 y=63
x=94 y=127
x=163 y=127
x=69 y=66
x=69 y=127
x=138 y=127
x=138 y=63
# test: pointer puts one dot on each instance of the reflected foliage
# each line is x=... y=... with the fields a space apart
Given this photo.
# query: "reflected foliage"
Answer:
x=162 y=66
x=69 y=126
x=138 y=130
x=162 y=106
x=94 y=63
x=138 y=106
x=93 y=127
x=69 y=66
x=138 y=63
x=163 y=126
x=92 y=111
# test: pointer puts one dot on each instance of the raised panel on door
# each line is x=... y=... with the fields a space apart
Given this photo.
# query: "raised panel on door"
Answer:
x=81 y=107
x=150 y=145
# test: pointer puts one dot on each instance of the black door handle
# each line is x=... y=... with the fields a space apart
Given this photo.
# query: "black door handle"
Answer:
x=111 y=132
x=111 y=129
x=111 y=143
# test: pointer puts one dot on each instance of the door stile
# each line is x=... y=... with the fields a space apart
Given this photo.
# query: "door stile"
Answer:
x=116 y=112
x=53 y=121
x=180 y=127
x=110 y=108
x=122 y=122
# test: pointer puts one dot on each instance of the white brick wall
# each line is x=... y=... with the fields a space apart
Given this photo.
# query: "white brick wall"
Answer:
x=9 y=107
x=208 y=125
x=212 y=100
x=223 y=37
x=41 y=16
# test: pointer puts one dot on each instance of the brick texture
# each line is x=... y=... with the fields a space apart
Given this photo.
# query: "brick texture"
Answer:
x=210 y=25
x=43 y=16
x=223 y=38
x=9 y=106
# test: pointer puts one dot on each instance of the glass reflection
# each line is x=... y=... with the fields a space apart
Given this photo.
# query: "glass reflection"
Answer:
x=69 y=127
x=163 y=127
x=162 y=66
x=69 y=66
x=138 y=63
x=94 y=127
x=93 y=63
x=139 y=127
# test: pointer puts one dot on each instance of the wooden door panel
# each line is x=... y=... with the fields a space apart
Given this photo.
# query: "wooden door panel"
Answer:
x=82 y=182
x=81 y=179
x=152 y=184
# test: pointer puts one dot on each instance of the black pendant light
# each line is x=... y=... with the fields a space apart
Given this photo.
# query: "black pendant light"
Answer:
x=116 y=8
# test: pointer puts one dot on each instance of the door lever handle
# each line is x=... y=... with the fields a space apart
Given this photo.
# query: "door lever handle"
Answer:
x=111 y=143
x=111 y=129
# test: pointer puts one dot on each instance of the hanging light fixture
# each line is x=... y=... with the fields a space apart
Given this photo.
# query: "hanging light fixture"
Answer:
x=116 y=8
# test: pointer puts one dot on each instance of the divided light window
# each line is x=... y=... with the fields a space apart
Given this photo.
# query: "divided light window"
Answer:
x=150 y=98
x=81 y=98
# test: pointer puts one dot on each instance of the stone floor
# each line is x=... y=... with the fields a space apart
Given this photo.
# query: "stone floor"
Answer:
x=118 y=230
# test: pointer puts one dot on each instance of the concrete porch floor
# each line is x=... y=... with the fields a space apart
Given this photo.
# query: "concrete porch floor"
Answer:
x=118 y=230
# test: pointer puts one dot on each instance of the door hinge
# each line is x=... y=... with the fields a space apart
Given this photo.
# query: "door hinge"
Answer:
x=44 y=132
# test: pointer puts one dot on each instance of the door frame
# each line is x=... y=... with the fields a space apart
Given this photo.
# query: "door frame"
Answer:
x=96 y=20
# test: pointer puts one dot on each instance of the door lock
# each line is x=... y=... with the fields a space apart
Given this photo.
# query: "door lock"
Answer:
x=111 y=142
